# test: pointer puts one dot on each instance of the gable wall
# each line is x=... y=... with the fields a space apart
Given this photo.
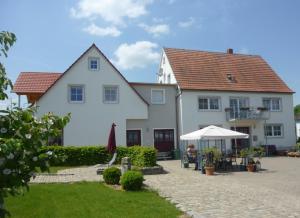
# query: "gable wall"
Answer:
x=91 y=121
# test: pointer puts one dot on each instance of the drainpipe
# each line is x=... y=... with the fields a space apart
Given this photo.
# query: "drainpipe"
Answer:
x=176 y=119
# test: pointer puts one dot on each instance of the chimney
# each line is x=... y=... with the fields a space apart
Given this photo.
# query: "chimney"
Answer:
x=229 y=51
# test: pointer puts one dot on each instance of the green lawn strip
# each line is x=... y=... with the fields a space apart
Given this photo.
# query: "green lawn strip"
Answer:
x=87 y=199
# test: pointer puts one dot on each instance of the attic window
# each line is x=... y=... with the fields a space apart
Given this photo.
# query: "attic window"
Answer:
x=230 y=77
x=93 y=63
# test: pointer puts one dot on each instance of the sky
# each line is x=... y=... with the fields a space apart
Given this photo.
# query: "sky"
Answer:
x=52 y=34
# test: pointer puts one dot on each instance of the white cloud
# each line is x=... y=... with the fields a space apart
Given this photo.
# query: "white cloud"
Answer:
x=188 y=23
x=137 y=55
x=157 y=29
x=113 y=11
x=100 y=31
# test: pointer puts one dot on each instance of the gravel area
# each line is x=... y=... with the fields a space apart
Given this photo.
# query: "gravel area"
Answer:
x=273 y=192
x=69 y=175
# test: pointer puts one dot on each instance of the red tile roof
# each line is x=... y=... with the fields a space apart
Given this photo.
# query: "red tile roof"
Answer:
x=202 y=70
x=34 y=82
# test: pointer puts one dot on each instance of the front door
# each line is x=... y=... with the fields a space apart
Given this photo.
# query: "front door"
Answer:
x=241 y=143
x=133 y=137
x=164 y=140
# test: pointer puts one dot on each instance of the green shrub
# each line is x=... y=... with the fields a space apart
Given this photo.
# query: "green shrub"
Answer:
x=141 y=156
x=112 y=175
x=132 y=180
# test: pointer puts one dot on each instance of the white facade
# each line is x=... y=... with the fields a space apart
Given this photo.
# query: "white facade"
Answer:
x=192 y=118
x=91 y=120
x=298 y=129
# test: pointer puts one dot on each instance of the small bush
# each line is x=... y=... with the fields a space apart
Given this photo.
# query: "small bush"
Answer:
x=112 y=175
x=132 y=180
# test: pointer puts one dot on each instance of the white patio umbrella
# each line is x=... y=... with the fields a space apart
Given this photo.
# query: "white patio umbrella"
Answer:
x=213 y=133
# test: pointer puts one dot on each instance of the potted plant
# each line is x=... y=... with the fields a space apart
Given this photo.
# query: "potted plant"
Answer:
x=212 y=155
x=243 y=155
x=251 y=167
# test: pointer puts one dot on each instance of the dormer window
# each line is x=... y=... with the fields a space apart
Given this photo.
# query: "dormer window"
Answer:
x=94 y=63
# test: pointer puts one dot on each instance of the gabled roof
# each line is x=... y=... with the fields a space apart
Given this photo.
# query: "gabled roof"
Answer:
x=202 y=70
x=29 y=82
x=34 y=82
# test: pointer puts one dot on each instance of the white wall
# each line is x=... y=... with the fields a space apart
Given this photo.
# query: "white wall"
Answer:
x=91 y=121
x=166 y=70
x=192 y=117
x=298 y=129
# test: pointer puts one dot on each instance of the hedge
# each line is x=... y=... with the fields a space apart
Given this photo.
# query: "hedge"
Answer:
x=141 y=156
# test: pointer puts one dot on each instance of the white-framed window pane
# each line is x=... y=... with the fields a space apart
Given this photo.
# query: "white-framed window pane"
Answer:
x=267 y=103
x=276 y=104
x=76 y=93
x=268 y=130
x=214 y=103
x=111 y=94
x=277 y=130
x=93 y=63
x=203 y=103
x=157 y=96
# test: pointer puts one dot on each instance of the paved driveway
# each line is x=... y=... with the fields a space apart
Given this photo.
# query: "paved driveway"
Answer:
x=274 y=192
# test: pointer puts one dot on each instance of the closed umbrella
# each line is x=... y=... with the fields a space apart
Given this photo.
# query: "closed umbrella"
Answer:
x=111 y=145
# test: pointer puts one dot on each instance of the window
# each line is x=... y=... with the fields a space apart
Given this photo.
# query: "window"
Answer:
x=111 y=94
x=76 y=93
x=169 y=78
x=273 y=130
x=94 y=63
x=209 y=103
x=157 y=96
x=272 y=104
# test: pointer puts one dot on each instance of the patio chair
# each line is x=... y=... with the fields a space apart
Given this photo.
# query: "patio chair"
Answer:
x=102 y=167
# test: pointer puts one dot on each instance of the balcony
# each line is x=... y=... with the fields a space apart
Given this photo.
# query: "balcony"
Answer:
x=259 y=113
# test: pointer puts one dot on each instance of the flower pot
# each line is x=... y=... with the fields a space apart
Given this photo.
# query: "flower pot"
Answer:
x=251 y=167
x=186 y=165
x=209 y=171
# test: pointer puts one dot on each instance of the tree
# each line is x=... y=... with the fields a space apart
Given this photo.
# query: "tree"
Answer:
x=297 y=110
x=21 y=137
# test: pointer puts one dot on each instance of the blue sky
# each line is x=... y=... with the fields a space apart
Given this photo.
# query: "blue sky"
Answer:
x=52 y=34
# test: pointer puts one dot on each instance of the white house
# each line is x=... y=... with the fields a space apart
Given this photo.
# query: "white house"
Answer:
x=194 y=89
x=234 y=91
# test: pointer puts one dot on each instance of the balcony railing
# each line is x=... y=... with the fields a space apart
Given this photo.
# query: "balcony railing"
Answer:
x=247 y=114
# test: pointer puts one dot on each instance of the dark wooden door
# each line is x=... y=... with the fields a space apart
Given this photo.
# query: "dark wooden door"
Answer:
x=241 y=143
x=164 y=139
x=133 y=137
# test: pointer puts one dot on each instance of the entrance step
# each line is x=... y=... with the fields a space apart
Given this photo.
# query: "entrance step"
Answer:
x=164 y=155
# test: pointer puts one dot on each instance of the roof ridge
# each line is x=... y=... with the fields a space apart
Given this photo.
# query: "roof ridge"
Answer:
x=41 y=72
x=215 y=52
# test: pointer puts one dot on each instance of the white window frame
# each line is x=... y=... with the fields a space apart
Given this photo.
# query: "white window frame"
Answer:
x=117 y=97
x=271 y=103
x=208 y=102
x=272 y=126
x=69 y=93
x=93 y=59
x=164 y=96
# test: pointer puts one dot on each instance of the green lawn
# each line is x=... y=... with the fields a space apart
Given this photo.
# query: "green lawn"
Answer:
x=89 y=200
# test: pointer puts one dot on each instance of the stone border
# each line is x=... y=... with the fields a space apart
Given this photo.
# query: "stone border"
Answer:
x=153 y=170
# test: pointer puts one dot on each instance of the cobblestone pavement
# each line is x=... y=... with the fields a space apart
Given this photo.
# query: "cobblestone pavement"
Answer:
x=274 y=192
